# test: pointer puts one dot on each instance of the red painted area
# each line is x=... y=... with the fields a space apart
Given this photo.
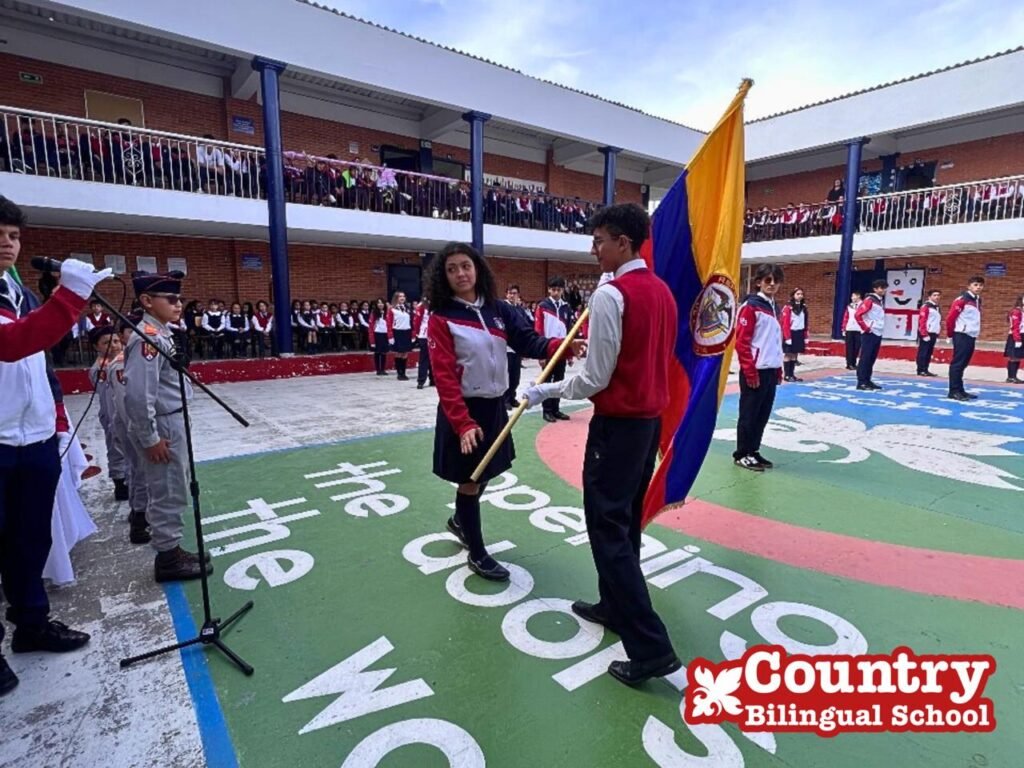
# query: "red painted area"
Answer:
x=991 y=580
x=76 y=380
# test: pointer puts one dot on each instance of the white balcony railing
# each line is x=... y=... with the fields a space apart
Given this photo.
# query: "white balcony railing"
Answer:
x=985 y=200
x=44 y=144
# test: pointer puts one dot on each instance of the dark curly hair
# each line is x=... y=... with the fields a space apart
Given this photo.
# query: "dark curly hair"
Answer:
x=10 y=214
x=435 y=279
x=627 y=219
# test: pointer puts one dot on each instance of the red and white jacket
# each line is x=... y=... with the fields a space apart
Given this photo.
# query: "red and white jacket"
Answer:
x=870 y=315
x=28 y=412
x=468 y=348
x=421 y=321
x=758 y=337
x=850 y=323
x=792 y=321
x=929 y=320
x=381 y=324
x=1016 y=318
x=964 y=315
x=398 y=319
x=553 y=319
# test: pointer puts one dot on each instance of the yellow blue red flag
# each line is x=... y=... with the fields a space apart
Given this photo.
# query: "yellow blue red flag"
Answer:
x=696 y=237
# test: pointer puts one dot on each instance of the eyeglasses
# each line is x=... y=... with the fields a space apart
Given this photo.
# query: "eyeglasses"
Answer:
x=172 y=298
x=598 y=241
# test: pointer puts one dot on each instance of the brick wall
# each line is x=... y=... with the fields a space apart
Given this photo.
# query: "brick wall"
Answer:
x=215 y=266
x=818 y=281
x=972 y=160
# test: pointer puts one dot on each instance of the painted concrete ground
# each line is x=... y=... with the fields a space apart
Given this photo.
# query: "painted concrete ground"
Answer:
x=865 y=536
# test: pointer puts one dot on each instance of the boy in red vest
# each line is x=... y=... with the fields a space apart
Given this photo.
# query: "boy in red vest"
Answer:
x=632 y=333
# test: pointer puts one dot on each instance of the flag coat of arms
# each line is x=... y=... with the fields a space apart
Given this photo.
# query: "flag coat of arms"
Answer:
x=695 y=243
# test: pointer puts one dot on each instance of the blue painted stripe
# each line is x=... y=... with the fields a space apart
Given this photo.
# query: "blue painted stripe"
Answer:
x=213 y=729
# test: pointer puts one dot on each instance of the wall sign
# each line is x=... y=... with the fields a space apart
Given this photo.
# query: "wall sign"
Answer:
x=996 y=269
x=252 y=262
x=245 y=125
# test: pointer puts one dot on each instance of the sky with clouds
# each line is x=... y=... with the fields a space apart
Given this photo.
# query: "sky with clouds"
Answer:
x=683 y=60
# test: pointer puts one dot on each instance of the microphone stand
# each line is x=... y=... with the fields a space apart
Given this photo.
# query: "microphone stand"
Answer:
x=210 y=632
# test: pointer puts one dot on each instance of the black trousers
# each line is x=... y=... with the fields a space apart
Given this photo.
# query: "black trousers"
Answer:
x=869 y=346
x=423 y=370
x=924 y=352
x=28 y=482
x=617 y=469
x=515 y=363
x=852 y=348
x=557 y=374
x=755 y=410
x=963 y=348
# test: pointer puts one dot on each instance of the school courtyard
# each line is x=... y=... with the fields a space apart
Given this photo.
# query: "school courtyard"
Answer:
x=891 y=518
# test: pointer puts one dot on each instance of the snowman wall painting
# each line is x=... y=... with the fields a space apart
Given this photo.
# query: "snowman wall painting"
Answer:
x=905 y=294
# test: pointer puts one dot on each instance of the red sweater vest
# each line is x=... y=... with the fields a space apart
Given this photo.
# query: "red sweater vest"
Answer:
x=639 y=385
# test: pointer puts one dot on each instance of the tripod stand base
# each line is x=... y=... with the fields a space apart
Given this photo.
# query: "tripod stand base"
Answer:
x=209 y=634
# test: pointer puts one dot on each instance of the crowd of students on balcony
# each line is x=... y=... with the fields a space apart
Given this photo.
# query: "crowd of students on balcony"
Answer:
x=128 y=156
x=929 y=206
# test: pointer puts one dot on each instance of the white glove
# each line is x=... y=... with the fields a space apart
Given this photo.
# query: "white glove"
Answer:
x=79 y=277
x=536 y=394
x=63 y=442
x=926 y=338
x=1017 y=344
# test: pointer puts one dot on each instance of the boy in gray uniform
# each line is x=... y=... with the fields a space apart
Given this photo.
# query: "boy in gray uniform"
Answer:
x=156 y=426
x=138 y=532
x=108 y=347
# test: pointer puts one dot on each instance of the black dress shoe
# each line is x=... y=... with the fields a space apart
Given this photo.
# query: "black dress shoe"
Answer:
x=636 y=672
x=420 y=386
x=120 y=490
x=195 y=555
x=971 y=396
x=763 y=461
x=488 y=568
x=561 y=416
x=178 y=565
x=872 y=386
x=456 y=529
x=53 y=636
x=962 y=397
x=593 y=613
x=550 y=417
x=8 y=680
x=863 y=387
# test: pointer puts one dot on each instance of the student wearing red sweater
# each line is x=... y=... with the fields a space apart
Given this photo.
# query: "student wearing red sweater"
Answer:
x=759 y=351
x=963 y=324
x=929 y=323
x=30 y=420
x=633 y=321
x=1014 y=350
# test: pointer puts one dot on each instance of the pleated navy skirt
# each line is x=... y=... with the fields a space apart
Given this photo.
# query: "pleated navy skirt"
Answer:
x=451 y=464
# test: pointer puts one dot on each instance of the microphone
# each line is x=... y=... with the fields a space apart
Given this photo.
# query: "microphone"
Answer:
x=44 y=264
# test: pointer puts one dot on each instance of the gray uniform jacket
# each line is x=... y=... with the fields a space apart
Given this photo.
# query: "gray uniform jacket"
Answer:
x=104 y=392
x=151 y=383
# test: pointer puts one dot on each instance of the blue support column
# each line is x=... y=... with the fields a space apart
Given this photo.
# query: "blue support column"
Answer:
x=269 y=71
x=610 y=153
x=476 y=122
x=844 y=270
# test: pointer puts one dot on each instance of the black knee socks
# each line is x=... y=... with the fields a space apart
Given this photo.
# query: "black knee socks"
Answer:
x=380 y=360
x=1012 y=367
x=400 y=366
x=789 y=366
x=467 y=513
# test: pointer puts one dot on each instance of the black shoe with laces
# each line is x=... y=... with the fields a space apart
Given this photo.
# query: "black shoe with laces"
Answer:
x=763 y=461
x=488 y=568
x=635 y=672
x=51 y=636
x=748 y=462
x=594 y=613
x=561 y=416
x=8 y=680
x=550 y=417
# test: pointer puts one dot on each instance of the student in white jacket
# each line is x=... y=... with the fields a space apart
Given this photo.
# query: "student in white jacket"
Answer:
x=29 y=444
